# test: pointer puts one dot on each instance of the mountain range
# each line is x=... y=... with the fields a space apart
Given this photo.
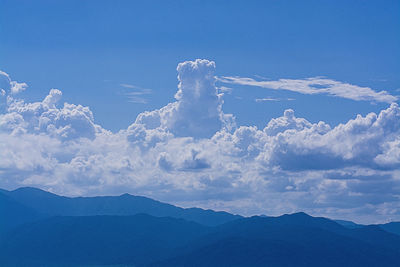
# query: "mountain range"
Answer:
x=38 y=228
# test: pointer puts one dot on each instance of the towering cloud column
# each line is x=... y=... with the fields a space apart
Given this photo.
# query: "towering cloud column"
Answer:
x=198 y=109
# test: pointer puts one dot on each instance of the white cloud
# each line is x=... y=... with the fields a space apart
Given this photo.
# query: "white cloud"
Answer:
x=133 y=98
x=136 y=93
x=7 y=85
x=363 y=141
x=188 y=153
x=127 y=85
x=287 y=122
x=266 y=99
x=269 y=99
x=391 y=154
x=198 y=109
x=224 y=89
x=317 y=85
x=69 y=122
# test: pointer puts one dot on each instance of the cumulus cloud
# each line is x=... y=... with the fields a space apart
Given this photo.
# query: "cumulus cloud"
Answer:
x=363 y=141
x=7 y=85
x=198 y=108
x=69 y=122
x=286 y=122
x=317 y=85
x=189 y=152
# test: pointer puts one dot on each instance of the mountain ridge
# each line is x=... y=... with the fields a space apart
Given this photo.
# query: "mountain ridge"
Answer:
x=44 y=229
x=126 y=204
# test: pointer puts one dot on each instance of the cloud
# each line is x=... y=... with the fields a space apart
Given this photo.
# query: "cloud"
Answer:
x=364 y=141
x=7 y=85
x=198 y=108
x=134 y=98
x=287 y=122
x=317 y=85
x=136 y=93
x=190 y=153
x=195 y=163
x=126 y=85
x=266 y=99
x=224 y=89
x=269 y=99
x=69 y=122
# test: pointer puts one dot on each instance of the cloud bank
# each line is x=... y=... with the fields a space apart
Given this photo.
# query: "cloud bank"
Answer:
x=191 y=153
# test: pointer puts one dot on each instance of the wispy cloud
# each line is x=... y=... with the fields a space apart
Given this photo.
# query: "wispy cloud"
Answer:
x=224 y=89
x=137 y=99
x=136 y=93
x=267 y=99
x=127 y=85
x=317 y=85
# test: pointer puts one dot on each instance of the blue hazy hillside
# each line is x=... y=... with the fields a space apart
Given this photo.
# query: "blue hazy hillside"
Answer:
x=138 y=240
x=13 y=213
x=53 y=205
x=290 y=240
x=392 y=227
x=44 y=229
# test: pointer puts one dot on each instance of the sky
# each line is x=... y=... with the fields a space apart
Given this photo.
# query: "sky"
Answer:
x=253 y=107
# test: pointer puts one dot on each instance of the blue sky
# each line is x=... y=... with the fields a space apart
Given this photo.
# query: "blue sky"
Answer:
x=89 y=48
x=294 y=107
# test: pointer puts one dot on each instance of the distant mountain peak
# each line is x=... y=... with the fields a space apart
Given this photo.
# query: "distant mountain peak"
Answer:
x=299 y=214
x=28 y=188
x=32 y=190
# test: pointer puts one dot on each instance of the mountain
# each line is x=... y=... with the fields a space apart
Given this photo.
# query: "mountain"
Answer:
x=289 y=240
x=349 y=224
x=144 y=240
x=38 y=228
x=13 y=213
x=96 y=240
x=392 y=227
x=53 y=205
